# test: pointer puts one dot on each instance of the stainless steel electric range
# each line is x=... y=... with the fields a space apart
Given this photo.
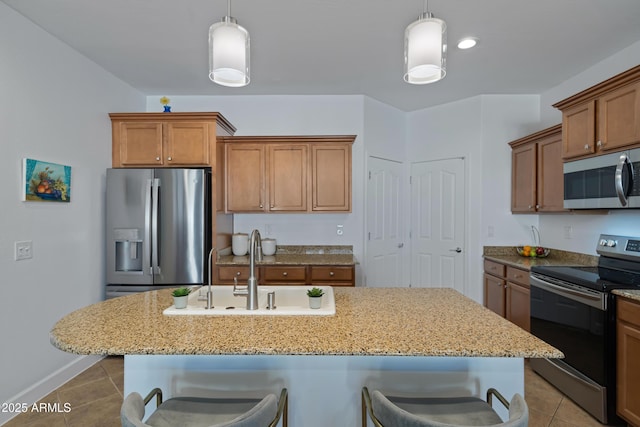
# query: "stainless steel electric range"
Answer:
x=573 y=309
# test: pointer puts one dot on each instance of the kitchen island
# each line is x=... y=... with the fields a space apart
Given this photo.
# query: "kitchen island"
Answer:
x=399 y=339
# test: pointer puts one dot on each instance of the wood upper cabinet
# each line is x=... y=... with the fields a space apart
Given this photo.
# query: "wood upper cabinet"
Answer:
x=537 y=182
x=288 y=177
x=288 y=173
x=628 y=360
x=331 y=178
x=603 y=118
x=245 y=178
x=166 y=139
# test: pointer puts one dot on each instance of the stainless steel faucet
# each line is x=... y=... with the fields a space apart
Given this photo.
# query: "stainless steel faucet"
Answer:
x=209 y=293
x=251 y=290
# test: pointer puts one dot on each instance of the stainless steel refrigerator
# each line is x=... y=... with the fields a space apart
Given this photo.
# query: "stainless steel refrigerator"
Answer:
x=158 y=228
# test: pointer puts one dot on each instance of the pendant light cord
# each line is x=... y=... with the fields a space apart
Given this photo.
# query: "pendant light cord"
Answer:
x=228 y=7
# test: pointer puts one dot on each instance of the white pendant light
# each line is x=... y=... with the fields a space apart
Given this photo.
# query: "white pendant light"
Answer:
x=229 y=52
x=425 y=49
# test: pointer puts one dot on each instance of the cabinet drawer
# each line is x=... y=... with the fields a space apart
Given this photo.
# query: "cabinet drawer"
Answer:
x=284 y=274
x=628 y=311
x=228 y=273
x=494 y=268
x=518 y=276
x=329 y=273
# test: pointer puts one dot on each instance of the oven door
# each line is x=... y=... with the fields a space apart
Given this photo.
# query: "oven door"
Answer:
x=574 y=320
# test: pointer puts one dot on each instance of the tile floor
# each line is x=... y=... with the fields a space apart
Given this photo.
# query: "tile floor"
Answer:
x=96 y=394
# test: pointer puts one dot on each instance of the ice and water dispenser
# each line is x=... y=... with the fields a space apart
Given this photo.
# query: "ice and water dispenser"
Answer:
x=128 y=248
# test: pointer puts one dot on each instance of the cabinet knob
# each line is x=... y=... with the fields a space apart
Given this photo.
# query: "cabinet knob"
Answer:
x=237 y=273
x=537 y=206
x=261 y=206
x=586 y=147
x=169 y=158
x=331 y=273
x=530 y=207
x=285 y=273
x=157 y=159
x=271 y=205
x=599 y=144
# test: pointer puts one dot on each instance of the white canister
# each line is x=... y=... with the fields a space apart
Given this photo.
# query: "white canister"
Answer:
x=268 y=246
x=240 y=244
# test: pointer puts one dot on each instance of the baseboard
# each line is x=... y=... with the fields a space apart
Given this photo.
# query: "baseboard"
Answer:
x=48 y=384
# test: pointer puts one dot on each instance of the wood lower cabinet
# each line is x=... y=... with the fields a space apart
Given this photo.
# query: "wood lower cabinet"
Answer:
x=166 y=139
x=332 y=276
x=537 y=182
x=316 y=275
x=506 y=292
x=602 y=118
x=288 y=173
x=628 y=360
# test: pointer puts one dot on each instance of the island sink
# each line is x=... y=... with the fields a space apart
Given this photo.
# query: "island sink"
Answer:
x=289 y=301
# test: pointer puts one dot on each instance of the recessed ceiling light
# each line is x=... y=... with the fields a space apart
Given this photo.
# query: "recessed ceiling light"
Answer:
x=467 y=43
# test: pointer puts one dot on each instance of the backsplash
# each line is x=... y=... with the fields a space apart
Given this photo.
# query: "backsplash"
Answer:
x=315 y=250
x=556 y=254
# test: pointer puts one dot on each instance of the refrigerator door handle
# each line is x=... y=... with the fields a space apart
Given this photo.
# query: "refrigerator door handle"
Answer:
x=147 y=224
x=154 y=226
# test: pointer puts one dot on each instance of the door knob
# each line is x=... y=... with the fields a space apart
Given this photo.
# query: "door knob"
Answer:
x=401 y=245
x=458 y=250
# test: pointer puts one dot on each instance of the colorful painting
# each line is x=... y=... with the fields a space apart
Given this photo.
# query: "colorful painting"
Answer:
x=46 y=182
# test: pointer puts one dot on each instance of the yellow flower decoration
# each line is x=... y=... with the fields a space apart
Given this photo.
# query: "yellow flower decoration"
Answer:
x=164 y=100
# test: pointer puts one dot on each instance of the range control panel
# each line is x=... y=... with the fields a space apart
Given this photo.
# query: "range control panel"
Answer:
x=624 y=247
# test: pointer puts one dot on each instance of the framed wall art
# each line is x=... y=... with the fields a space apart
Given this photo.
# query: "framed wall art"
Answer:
x=45 y=182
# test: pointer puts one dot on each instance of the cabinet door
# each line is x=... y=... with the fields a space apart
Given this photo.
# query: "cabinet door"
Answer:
x=578 y=130
x=517 y=305
x=186 y=143
x=523 y=178
x=331 y=178
x=628 y=361
x=288 y=178
x=245 y=178
x=137 y=143
x=494 y=294
x=550 y=180
x=619 y=118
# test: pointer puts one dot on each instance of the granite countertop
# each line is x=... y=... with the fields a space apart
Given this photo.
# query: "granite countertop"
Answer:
x=633 y=294
x=508 y=255
x=298 y=255
x=368 y=321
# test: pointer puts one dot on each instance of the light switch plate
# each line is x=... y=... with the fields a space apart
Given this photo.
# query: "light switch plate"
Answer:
x=23 y=250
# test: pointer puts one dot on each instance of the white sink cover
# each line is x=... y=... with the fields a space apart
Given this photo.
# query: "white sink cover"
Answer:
x=289 y=301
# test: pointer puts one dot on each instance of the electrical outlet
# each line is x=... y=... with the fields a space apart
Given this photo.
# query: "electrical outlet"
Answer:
x=567 y=231
x=23 y=250
x=339 y=230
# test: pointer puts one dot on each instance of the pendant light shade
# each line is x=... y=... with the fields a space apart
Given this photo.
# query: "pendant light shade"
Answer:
x=425 y=49
x=229 y=53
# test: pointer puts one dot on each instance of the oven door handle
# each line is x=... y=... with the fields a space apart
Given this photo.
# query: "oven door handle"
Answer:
x=590 y=299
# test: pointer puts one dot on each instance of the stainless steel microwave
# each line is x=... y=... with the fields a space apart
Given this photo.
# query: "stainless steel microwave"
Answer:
x=609 y=181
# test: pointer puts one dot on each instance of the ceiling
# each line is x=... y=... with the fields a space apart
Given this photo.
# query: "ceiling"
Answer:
x=342 y=47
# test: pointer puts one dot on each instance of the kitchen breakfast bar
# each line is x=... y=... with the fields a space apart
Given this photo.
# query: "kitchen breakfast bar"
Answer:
x=401 y=340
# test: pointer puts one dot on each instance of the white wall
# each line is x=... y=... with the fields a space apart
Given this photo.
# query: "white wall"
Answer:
x=585 y=228
x=54 y=108
x=477 y=129
x=295 y=115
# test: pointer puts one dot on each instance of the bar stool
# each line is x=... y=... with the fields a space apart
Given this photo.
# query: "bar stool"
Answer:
x=441 y=411
x=205 y=412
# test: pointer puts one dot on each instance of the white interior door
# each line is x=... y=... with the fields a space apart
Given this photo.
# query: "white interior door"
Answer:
x=438 y=224
x=385 y=233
